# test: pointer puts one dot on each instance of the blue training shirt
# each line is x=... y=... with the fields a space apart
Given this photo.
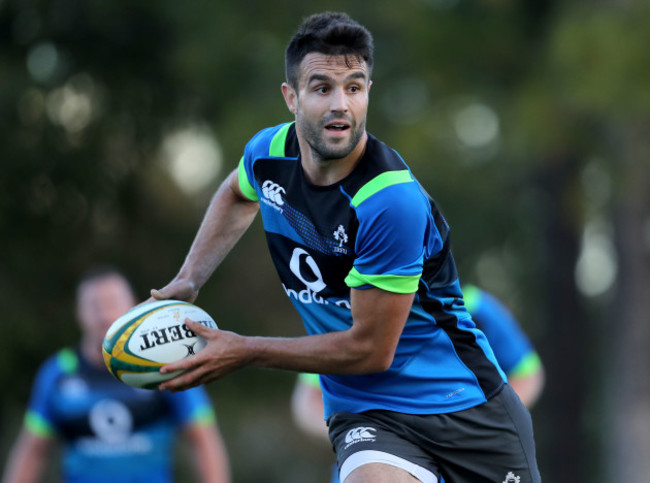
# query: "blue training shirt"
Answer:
x=111 y=432
x=375 y=228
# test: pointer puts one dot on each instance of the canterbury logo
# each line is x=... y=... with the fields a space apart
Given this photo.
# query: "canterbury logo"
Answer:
x=273 y=192
x=360 y=434
x=512 y=478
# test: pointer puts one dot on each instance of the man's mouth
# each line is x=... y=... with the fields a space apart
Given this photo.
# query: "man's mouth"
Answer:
x=337 y=127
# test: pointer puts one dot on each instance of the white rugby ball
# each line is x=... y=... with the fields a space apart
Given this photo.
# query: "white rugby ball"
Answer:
x=149 y=336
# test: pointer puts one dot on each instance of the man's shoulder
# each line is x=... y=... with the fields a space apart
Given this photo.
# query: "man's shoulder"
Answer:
x=274 y=141
x=382 y=175
x=65 y=361
x=58 y=365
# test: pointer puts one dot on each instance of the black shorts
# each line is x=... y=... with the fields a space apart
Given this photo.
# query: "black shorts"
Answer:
x=492 y=442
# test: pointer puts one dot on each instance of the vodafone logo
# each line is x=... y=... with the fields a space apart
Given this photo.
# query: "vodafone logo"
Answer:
x=113 y=426
x=111 y=420
x=273 y=192
x=305 y=268
x=313 y=279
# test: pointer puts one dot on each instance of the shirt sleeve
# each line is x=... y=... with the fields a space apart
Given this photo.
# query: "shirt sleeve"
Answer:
x=39 y=419
x=512 y=348
x=191 y=407
x=309 y=379
x=245 y=185
x=390 y=244
x=268 y=142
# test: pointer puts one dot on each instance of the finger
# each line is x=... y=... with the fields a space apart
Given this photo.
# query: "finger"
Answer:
x=187 y=364
x=197 y=328
x=178 y=383
x=184 y=381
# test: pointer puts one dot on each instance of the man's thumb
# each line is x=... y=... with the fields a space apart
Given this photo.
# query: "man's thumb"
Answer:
x=158 y=294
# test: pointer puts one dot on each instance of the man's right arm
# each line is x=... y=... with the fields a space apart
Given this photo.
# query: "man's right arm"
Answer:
x=27 y=458
x=228 y=216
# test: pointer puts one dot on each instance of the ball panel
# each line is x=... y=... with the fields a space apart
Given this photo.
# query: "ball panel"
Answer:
x=107 y=359
x=119 y=368
x=126 y=358
x=146 y=380
x=137 y=312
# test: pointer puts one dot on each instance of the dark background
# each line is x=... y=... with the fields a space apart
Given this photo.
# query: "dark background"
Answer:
x=526 y=120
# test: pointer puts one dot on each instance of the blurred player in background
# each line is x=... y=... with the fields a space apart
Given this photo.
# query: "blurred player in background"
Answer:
x=512 y=348
x=111 y=432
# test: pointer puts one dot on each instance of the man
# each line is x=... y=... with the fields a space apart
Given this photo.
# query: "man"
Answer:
x=411 y=388
x=112 y=432
x=512 y=349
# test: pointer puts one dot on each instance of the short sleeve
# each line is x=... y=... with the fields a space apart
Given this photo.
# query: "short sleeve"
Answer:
x=191 y=407
x=309 y=379
x=245 y=184
x=38 y=417
x=511 y=346
x=390 y=244
x=267 y=143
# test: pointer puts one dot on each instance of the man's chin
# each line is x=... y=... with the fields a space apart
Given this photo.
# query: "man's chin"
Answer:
x=335 y=151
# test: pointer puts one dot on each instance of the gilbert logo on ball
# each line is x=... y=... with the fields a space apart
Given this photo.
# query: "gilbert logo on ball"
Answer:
x=149 y=336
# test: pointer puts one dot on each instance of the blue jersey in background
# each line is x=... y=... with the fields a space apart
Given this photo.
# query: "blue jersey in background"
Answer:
x=111 y=431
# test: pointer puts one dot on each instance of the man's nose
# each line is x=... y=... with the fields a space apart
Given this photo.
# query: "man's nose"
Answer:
x=339 y=100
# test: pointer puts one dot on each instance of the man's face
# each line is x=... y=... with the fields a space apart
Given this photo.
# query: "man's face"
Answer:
x=100 y=302
x=331 y=104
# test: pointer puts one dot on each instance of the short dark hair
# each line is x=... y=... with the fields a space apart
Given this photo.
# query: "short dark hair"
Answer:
x=329 y=33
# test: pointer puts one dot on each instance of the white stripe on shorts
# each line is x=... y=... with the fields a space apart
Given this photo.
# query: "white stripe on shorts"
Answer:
x=361 y=458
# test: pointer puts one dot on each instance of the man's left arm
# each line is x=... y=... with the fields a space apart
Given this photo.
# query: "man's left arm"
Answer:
x=528 y=379
x=367 y=347
x=392 y=231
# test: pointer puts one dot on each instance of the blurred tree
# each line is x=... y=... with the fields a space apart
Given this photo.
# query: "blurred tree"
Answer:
x=606 y=76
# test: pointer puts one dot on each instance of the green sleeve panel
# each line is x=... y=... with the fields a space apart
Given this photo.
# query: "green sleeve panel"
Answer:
x=245 y=185
x=68 y=361
x=310 y=379
x=390 y=283
x=278 y=142
x=380 y=182
x=203 y=416
x=37 y=425
x=528 y=366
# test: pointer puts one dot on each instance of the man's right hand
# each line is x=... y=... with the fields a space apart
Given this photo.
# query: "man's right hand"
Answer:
x=177 y=289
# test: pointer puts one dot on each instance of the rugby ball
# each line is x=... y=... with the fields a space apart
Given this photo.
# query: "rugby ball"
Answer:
x=149 y=336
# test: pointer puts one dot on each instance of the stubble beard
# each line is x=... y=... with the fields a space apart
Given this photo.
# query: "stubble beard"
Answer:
x=322 y=150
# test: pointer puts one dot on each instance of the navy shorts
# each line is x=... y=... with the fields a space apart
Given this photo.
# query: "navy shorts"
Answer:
x=492 y=442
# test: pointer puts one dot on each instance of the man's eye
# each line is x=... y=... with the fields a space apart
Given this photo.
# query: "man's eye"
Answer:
x=322 y=89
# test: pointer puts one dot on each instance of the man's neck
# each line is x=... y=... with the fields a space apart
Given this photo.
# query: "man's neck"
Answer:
x=92 y=352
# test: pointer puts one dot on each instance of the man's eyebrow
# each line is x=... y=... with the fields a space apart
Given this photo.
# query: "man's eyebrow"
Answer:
x=326 y=78
x=319 y=78
x=357 y=75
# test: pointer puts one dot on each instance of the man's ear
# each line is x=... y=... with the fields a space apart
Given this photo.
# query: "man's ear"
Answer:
x=290 y=97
